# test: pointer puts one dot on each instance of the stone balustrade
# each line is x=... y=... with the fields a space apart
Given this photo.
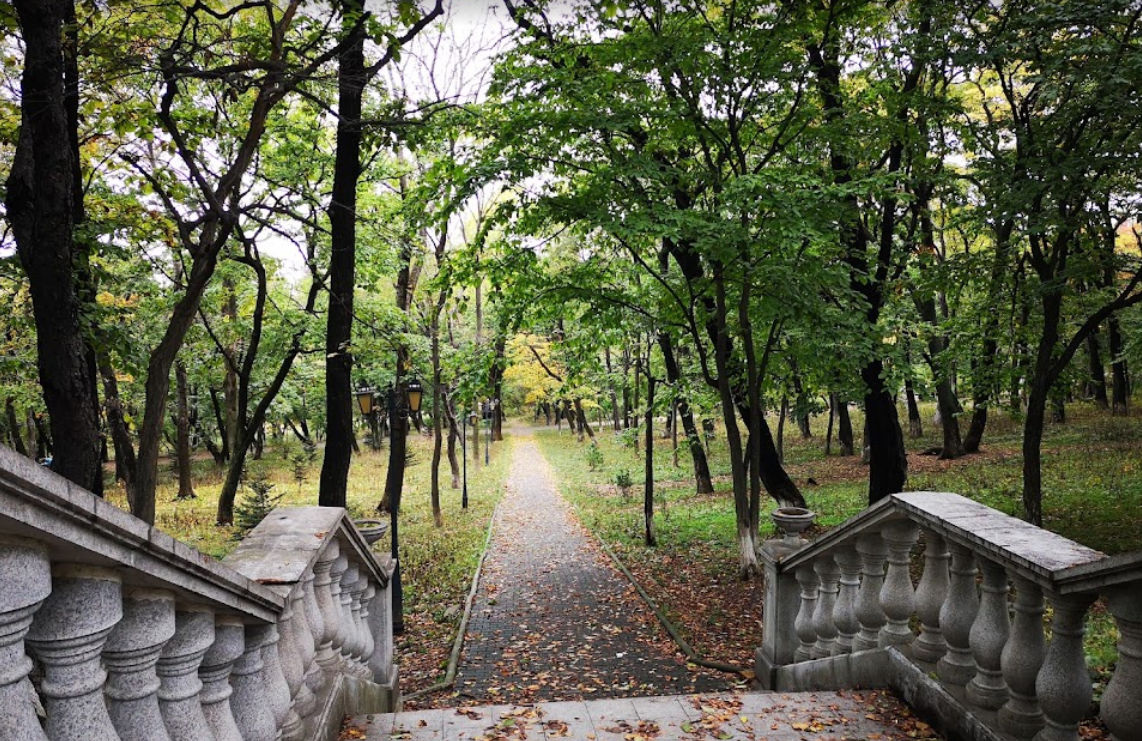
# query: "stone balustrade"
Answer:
x=112 y=631
x=953 y=643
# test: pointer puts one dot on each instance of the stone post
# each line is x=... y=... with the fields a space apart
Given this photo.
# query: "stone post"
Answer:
x=327 y=658
x=1021 y=660
x=897 y=596
x=804 y=624
x=67 y=636
x=844 y=614
x=131 y=655
x=27 y=582
x=179 y=685
x=1121 y=709
x=930 y=596
x=956 y=617
x=873 y=553
x=366 y=600
x=827 y=575
x=349 y=646
x=229 y=645
x=336 y=574
x=315 y=676
x=356 y=594
x=251 y=702
x=1063 y=685
x=988 y=637
x=380 y=627
x=301 y=642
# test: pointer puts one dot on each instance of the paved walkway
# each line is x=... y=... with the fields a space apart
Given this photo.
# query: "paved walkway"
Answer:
x=553 y=619
x=803 y=716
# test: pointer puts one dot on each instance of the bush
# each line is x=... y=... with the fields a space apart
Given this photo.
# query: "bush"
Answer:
x=256 y=505
x=623 y=482
x=594 y=456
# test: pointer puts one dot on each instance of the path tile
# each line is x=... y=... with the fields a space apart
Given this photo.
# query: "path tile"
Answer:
x=553 y=619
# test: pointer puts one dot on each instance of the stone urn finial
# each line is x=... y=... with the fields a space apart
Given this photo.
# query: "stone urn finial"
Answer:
x=371 y=530
x=792 y=521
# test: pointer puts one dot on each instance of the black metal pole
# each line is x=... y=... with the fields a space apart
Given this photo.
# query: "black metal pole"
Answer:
x=396 y=417
x=464 y=455
x=488 y=442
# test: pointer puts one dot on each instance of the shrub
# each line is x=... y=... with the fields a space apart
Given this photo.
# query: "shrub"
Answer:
x=256 y=505
x=594 y=456
x=623 y=482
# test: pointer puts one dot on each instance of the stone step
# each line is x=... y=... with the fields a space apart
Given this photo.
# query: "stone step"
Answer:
x=751 y=716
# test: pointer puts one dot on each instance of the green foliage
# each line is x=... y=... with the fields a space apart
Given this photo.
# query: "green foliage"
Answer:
x=593 y=456
x=256 y=504
x=622 y=481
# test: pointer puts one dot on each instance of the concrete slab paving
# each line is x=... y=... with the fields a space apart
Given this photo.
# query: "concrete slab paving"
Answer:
x=803 y=716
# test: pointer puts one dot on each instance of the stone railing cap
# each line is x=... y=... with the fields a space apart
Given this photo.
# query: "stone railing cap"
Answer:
x=285 y=545
x=79 y=527
x=1047 y=558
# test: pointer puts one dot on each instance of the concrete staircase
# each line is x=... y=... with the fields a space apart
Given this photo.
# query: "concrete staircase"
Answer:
x=753 y=716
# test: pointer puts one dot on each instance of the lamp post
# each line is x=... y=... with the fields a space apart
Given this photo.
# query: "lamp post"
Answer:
x=464 y=452
x=367 y=401
x=401 y=405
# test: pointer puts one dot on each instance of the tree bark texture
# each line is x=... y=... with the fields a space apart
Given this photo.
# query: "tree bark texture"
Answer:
x=41 y=210
x=351 y=79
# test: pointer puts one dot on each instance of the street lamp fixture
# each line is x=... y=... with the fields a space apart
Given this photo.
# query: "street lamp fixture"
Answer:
x=414 y=393
x=366 y=398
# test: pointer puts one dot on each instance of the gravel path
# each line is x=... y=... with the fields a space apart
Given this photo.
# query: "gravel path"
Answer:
x=553 y=619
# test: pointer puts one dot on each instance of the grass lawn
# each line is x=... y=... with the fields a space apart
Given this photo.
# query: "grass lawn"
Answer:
x=437 y=563
x=1092 y=480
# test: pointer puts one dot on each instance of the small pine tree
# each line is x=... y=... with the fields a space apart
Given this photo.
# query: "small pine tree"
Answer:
x=256 y=505
x=301 y=464
x=594 y=456
x=623 y=482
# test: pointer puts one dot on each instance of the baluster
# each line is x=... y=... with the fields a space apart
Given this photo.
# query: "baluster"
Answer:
x=336 y=574
x=807 y=578
x=229 y=645
x=1063 y=685
x=349 y=646
x=366 y=634
x=327 y=659
x=27 y=583
x=956 y=617
x=844 y=614
x=897 y=596
x=930 y=596
x=179 y=685
x=131 y=655
x=1021 y=660
x=273 y=674
x=315 y=675
x=380 y=627
x=988 y=637
x=68 y=635
x=301 y=643
x=355 y=593
x=251 y=701
x=873 y=553
x=827 y=576
x=1121 y=710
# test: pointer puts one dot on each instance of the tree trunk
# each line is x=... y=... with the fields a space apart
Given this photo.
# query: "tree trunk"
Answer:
x=351 y=79
x=453 y=437
x=182 y=425
x=1120 y=394
x=888 y=461
x=648 y=489
x=14 y=426
x=120 y=436
x=220 y=421
x=845 y=439
x=832 y=420
x=1097 y=372
x=703 y=481
x=437 y=415
x=41 y=209
x=784 y=414
x=915 y=424
x=584 y=424
x=801 y=406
